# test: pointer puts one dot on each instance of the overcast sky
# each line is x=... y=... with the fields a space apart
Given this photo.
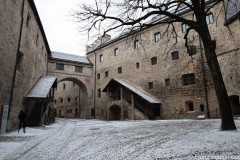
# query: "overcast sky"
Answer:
x=60 y=29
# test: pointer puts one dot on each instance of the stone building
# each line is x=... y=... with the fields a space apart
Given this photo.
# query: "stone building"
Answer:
x=138 y=77
x=24 y=51
x=73 y=95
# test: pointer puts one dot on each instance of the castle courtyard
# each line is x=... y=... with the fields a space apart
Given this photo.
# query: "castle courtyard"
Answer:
x=72 y=139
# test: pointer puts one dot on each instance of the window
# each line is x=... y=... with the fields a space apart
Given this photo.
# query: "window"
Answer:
x=188 y=79
x=76 y=98
x=78 y=69
x=209 y=18
x=98 y=76
x=157 y=36
x=184 y=27
x=137 y=65
x=150 y=85
x=59 y=66
x=99 y=93
x=37 y=38
x=19 y=60
x=69 y=99
x=201 y=107
x=106 y=74
x=192 y=50
x=115 y=51
x=61 y=100
x=154 y=60
x=167 y=82
x=119 y=70
x=136 y=44
x=190 y=106
x=28 y=19
x=64 y=86
x=175 y=55
x=101 y=58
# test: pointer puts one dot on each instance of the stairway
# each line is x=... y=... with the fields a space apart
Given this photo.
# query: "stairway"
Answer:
x=34 y=117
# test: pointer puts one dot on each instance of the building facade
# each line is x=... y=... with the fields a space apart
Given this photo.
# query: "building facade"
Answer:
x=23 y=58
x=73 y=95
x=150 y=62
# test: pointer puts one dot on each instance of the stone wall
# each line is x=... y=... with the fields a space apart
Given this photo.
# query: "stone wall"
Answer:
x=9 y=34
x=32 y=55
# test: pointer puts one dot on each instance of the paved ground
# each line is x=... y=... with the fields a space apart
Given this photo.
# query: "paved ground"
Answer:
x=70 y=139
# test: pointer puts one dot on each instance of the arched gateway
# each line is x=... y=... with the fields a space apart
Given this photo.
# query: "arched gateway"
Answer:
x=114 y=113
x=73 y=95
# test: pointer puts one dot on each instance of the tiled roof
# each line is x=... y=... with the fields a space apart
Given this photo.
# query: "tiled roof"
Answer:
x=42 y=87
x=70 y=57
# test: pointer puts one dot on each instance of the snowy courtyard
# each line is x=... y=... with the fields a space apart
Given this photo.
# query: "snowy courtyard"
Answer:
x=73 y=139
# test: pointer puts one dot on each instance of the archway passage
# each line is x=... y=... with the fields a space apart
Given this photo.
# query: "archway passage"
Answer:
x=70 y=98
x=114 y=113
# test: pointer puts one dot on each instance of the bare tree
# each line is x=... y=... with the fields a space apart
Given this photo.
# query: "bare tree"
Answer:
x=108 y=15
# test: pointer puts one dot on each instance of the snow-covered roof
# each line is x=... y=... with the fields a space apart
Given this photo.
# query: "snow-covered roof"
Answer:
x=233 y=10
x=70 y=57
x=134 y=90
x=42 y=87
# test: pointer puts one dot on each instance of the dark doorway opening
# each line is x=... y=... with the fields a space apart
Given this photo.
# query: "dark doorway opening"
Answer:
x=115 y=113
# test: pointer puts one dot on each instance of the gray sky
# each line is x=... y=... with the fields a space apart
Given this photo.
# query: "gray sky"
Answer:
x=60 y=29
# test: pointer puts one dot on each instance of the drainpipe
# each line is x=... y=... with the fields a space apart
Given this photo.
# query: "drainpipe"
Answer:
x=204 y=78
x=94 y=88
x=15 y=65
x=79 y=91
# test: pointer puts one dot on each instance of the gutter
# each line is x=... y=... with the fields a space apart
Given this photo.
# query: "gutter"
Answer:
x=15 y=65
x=204 y=78
x=94 y=87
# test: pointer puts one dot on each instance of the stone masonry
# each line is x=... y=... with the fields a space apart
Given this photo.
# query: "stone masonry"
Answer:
x=31 y=58
x=74 y=90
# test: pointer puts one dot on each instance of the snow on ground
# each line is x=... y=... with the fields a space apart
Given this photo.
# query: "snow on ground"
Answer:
x=72 y=139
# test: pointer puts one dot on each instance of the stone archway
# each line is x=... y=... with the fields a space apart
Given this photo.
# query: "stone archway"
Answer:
x=75 y=98
x=114 y=113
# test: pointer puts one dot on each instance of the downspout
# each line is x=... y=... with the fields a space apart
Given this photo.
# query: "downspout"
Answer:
x=79 y=109
x=94 y=88
x=15 y=65
x=204 y=78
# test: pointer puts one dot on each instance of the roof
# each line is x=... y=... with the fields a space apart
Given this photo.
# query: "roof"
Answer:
x=131 y=88
x=35 y=12
x=42 y=87
x=70 y=57
x=232 y=11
